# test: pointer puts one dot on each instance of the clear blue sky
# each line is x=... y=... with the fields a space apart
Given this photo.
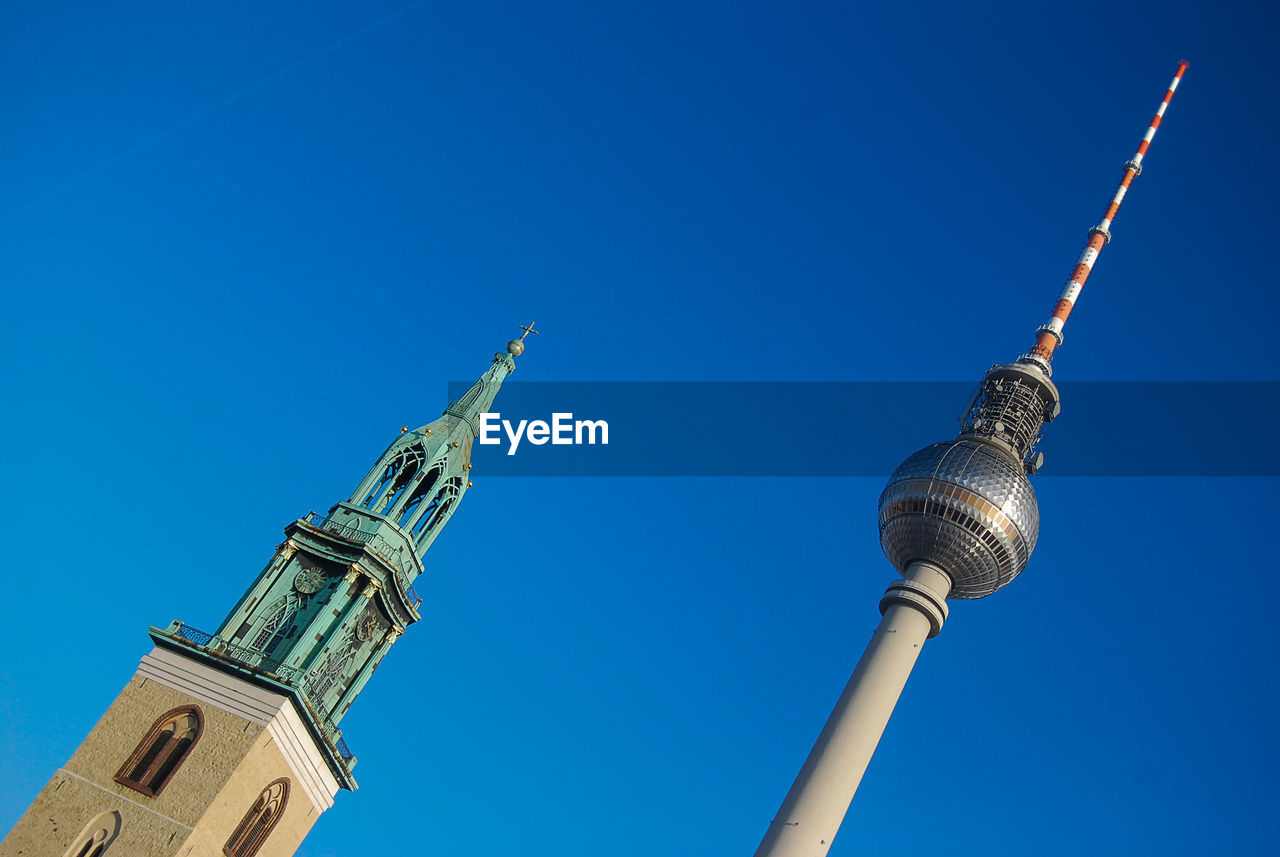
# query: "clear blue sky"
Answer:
x=243 y=243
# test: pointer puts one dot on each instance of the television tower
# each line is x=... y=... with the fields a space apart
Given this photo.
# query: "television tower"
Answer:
x=958 y=520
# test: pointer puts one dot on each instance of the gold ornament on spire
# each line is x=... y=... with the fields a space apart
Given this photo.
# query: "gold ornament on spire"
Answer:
x=516 y=346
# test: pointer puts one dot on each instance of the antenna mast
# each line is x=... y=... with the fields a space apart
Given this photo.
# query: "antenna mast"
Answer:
x=1049 y=335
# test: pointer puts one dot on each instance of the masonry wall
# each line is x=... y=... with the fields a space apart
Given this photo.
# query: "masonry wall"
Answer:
x=195 y=813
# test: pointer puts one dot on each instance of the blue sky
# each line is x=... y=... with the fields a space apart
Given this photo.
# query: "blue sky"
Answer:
x=244 y=244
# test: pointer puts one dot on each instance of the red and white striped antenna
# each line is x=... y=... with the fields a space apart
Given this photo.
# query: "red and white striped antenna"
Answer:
x=1049 y=336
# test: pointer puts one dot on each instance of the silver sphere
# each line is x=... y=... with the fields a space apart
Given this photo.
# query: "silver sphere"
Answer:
x=966 y=507
x=515 y=348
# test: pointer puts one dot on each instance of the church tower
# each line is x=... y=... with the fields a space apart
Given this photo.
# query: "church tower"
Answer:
x=229 y=744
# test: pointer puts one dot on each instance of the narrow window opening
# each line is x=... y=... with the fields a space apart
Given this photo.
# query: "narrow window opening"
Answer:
x=427 y=515
x=376 y=491
x=442 y=514
x=159 y=755
x=258 y=822
x=438 y=511
x=395 y=478
x=425 y=486
x=271 y=626
x=97 y=835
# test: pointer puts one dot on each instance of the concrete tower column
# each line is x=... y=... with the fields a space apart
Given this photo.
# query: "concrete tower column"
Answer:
x=914 y=609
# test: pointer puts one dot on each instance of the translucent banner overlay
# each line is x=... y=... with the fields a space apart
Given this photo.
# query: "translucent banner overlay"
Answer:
x=868 y=428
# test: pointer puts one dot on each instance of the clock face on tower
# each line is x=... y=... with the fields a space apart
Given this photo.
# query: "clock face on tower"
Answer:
x=366 y=626
x=309 y=580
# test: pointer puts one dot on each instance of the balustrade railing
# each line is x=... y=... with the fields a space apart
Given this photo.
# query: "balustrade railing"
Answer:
x=194 y=635
x=388 y=554
x=354 y=534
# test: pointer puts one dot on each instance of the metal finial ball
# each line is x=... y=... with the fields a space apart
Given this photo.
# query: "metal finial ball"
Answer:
x=515 y=348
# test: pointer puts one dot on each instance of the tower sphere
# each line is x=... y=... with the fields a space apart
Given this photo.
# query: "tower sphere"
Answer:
x=515 y=348
x=965 y=506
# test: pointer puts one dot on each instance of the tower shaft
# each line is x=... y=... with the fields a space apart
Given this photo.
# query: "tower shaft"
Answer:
x=914 y=609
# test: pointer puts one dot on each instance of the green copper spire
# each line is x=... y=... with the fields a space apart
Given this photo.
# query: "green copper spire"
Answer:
x=339 y=591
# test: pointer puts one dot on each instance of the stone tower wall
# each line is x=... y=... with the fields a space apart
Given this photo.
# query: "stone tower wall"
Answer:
x=235 y=758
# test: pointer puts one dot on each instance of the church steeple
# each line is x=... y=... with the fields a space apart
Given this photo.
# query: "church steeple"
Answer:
x=418 y=481
x=232 y=739
x=339 y=590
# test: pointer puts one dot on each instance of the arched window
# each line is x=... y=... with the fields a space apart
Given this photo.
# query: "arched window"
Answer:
x=425 y=485
x=438 y=511
x=96 y=836
x=273 y=630
x=406 y=468
x=259 y=821
x=395 y=478
x=158 y=757
x=376 y=491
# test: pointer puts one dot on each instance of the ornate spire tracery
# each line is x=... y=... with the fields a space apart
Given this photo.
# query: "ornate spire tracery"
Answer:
x=339 y=591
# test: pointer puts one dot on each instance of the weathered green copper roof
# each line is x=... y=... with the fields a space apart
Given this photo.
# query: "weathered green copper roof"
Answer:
x=339 y=590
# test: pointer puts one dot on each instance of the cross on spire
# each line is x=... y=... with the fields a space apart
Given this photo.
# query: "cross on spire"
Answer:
x=516 y=346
